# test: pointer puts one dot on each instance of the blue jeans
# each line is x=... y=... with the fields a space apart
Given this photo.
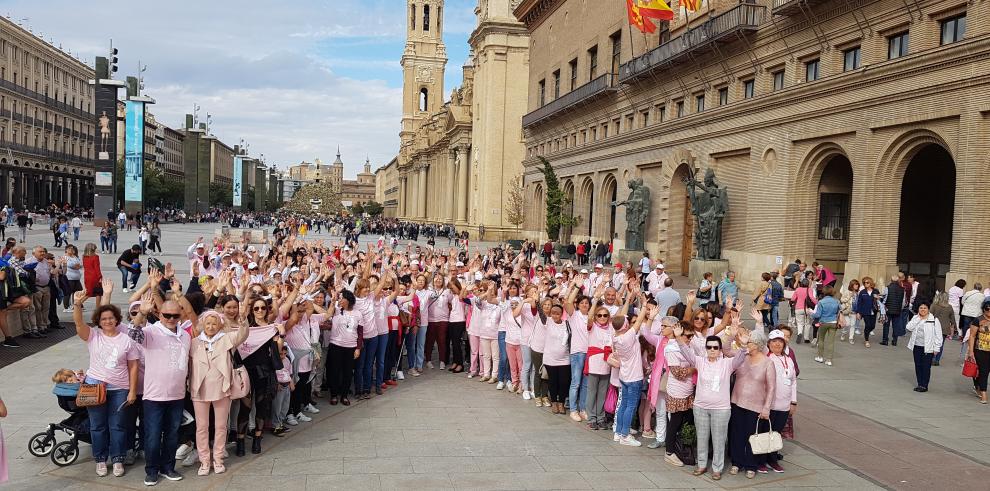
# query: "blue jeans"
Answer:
x=161 y=435
x=128 y=273
x=628 y=405
x=579 y=383
x=420 y=346
x=504 y=374
x=380 y=360
x=774 y=317
x=108 y=427
x=369 y=356
x=75 y=233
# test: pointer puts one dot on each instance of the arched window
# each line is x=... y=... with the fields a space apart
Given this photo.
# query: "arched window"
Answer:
x=439 y=18
x=426 y=18
x=424 y=98
x=412 y=17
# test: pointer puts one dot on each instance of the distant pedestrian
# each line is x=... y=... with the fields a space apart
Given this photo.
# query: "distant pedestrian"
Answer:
x=926 y=340
x=76 y=226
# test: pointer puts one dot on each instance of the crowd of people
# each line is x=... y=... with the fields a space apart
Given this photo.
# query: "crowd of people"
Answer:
x=257 y=337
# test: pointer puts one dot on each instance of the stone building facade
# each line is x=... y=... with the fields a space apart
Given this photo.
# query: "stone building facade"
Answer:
x=46 y=123
x=854 y=134
x=457 y=158
x=387 y=188
x=360 y=190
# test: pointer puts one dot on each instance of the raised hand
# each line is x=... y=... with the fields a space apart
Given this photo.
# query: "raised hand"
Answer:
x=147 y=303
x=107 y=285
x=80 y=296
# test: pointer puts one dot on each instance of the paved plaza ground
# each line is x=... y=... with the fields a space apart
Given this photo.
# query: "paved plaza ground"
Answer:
x=859 y=426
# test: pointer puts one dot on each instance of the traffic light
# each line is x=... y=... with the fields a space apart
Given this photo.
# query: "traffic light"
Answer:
x=113 y=61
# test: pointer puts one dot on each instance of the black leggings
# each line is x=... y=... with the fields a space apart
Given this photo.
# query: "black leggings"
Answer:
x=392 y=350
x=869 y=324
x=455 y=331
x=678 y=419
x=560 y=382
x=340 y=370
x=303 y=394
x=154 y=244
x=983 y=362
x=262 y=401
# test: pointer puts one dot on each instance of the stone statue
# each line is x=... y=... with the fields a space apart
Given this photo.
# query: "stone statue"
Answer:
x=637 y=208
x=709 y=204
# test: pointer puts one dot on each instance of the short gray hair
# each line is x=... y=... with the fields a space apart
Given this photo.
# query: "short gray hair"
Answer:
x=759 y=338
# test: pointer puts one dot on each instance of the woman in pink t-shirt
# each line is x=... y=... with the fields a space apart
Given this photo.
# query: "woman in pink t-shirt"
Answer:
x=577 y=308
x=537 y=344
x=456 y=324
x=556 y=358
x=113 y=362
x=626 y=342
x=486 y=302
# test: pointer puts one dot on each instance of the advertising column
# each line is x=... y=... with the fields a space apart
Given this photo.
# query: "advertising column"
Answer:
x=238 y=180
x=105 y=111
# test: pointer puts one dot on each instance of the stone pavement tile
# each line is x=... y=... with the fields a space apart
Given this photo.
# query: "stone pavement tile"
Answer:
x=490 y=434
x=549 y=480
x=496 y=449
x=317 y=466
x=483 y=481
x=617 y=480
x=378 y=465
x=256 y=483
x=338 y=448
x=559 y=435
x=445 y=435
x=515 y=464
x=679 y=479
x=572 y=463
x=407 y=449
x=261 y=465
x=415 y=481
x=370 y=435
x=443 y=465
x=631 y=462
x=809 y=461
x=602 y=447
x=362 y=482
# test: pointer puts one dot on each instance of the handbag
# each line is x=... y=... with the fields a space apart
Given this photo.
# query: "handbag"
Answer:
x=91 y=395
x=664 y=378
x=240 y=384
x=611 y=399
x=544 y=375
x=970 y=369
x=764 y=443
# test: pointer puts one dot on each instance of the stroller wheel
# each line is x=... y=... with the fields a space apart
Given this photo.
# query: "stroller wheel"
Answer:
x=41 y=444
x=65 y=453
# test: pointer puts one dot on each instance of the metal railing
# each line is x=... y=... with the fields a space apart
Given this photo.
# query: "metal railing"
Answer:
x=44 y=152
x=746 y=16
x=581 y=94
x=788 y=7
x=48 y=101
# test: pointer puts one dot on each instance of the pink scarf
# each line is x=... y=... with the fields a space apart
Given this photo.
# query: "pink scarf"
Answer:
x=257 y=337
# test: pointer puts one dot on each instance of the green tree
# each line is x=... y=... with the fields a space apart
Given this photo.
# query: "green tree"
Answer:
x=373 y=208
x=515 y=203
x=221 y=194
x=159 y=189
x=357 y=209
x=557 y=203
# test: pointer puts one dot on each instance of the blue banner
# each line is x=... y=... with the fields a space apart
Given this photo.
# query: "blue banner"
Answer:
x=134 y=151
x=238 y=184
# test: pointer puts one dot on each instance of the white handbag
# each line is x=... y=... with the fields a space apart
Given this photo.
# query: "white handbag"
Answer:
x=764 y=443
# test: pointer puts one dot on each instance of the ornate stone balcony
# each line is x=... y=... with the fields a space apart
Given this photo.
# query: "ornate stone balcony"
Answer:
x=573 y=99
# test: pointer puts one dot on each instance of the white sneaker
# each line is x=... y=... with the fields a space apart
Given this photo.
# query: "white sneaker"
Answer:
x=183 y=451
x=852 y=342
x=191 y=459
x=429 y=365
x=399 y=375
x=526 y=395
x=470 y=375
x=443 y=366
x=124 y=290
x=118 y=469
x=500 y=386
x=302 y=417
x=633 y=431
x=310 y=408
x=814 y=342
x=616 y=437
x=630 y=441
x=415 y=372
x=828 y=363
x=68 y=311
x=819 y=359
x=291 y=420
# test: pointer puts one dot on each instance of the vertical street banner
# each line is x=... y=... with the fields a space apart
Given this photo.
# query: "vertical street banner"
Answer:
x=238 y=178
x=134 y=151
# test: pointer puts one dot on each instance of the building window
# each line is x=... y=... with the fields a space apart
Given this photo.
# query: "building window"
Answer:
x=618 y=126
x=699 y=103
x=594 y=134
x=644 y=118
x=542 y=92
x=556 y=84
x=604 y=131
x=630 y=122
x=424 y=99
x=749 y=87
x=680 y=109
x=723 y=96
x=573 y=66
x=897 y=45
x=850 y=59
x=426 y=18
x=661 y=114
x=593 y=62
x=778 y=80
x=811 y=70
x=616 y=51
x=953 y=29
x=833 y=216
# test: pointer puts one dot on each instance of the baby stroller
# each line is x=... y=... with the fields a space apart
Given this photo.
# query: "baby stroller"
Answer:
x=76 y=426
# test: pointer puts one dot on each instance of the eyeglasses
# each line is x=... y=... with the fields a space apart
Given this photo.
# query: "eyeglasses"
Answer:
x=170 y=316
x=701 y=318
x=602 y=316
x=260 y=309
x=713 y=346
x=134 y=313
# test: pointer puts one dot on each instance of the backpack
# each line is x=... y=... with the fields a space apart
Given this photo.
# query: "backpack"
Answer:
x=768 y=295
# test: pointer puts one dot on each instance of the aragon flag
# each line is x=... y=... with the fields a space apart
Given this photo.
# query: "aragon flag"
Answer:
x=655 y=9
x=636 y=17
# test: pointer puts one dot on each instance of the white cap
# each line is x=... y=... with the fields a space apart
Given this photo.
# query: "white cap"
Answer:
x=478 y=276
x=776 y=334
x=232 y=267
x=599 y=266
x=272 y=273
x=414 y=263
x=200 y=245
x=346 y=248
x=659 y=266
x=252 y=265
x=558 y=275
x=251 y=249
x=584 y=271
x=459 y=264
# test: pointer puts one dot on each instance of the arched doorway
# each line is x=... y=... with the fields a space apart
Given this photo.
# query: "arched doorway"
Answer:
x=928 y=193
x=680 y=224
x=541 y=211
x=610 y=194
x=834 y=209
x=568 y=231
x=586 y=208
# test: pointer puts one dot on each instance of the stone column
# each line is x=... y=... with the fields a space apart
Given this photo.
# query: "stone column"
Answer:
x=462 y=186
x=421 y=195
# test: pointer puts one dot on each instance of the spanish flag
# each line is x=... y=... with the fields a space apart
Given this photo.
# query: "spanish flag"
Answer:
x=656 y=9
x=636 y=17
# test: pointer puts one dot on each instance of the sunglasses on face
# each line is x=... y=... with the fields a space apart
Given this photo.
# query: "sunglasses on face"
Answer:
x=602 y=316
x=260 y=308
x=170 y=316
x=712 y=346
x=700 y=318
